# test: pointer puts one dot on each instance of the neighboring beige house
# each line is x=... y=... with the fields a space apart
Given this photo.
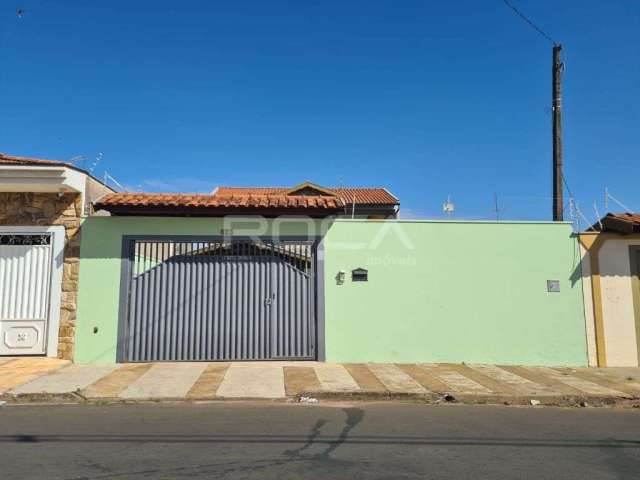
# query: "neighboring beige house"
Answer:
x=42 y=203
x=611 y=285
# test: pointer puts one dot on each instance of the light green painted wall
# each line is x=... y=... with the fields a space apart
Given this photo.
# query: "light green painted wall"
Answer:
x=437 y=291
x=100 y=262
x=454 y=292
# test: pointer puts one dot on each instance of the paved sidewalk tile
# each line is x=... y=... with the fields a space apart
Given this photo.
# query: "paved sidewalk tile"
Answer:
x=628 y=374
x=364 y=377
x=165 y=380
x=113 y=384
x=252 y=382
x=425 y=378
x=300 y=379
x=270 y=380
x=585 y=386
x=490 y=383
x=394 y=379
x=532 y=373
x=334 y=377
x=520 y=385
x=614 y=380
x=68 y=379
x=23 y=370
x=207 y=385
x=457 y=381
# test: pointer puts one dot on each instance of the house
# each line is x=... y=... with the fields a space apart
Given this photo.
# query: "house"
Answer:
x=42 y=206
x=611 y=268
x=244 y=271
x=306 y=199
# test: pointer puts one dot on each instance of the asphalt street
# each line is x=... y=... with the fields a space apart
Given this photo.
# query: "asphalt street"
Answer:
x=279 y=441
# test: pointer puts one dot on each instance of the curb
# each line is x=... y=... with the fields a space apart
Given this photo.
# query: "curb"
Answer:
x=310 y=397
x=478 y=399
x=79 y=399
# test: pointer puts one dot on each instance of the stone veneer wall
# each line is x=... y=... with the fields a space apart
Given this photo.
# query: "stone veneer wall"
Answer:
x=44 y=209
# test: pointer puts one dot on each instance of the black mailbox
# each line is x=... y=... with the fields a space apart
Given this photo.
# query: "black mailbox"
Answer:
x=359 y=275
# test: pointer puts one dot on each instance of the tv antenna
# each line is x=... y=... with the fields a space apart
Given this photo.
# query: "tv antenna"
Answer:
x=598 y=217
x=608 y=196
x=108 y=177
x=448 y=207
x=96 y=162
x=78 y=159
x=496 y=208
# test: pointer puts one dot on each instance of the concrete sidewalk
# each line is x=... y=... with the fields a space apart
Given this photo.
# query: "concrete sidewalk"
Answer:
x=41 y=379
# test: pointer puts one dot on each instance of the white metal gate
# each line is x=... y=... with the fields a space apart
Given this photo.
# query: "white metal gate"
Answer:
x=25 y=279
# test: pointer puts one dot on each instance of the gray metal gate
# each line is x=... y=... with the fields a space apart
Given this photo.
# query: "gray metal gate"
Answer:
x=200 y=300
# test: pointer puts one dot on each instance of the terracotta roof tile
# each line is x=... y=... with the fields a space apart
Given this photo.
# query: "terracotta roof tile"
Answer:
x=217 y=201
x=366 y=196
x=627 y=216
x=299 y=198
x=626 y=222
x=362 y=196
x=14 y=160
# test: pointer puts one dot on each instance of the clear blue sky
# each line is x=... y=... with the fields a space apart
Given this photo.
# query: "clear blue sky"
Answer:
x=428 y=98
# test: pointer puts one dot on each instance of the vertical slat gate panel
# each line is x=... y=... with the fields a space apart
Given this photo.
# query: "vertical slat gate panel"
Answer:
x=187 y=305
x=197 y=307
x=255 y=265
x=25 y=272
x=294 y=288
x=142 y=298
x=164 y=313
x=242 y=312
x=134 y=312
x=246 y=332
x=179 y=301
x=207 y=301
x=233 y=310
x=172 y=290
x=152 y=318
x=25 y=277
x=205 y=339
x=132 y=317
x=228 y=308
x=219 y=297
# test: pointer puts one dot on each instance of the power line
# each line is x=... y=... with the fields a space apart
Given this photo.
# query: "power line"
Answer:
x=564 y=180
x=531 y=24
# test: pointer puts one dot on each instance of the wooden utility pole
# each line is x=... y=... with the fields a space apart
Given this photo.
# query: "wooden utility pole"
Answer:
x=556 y=102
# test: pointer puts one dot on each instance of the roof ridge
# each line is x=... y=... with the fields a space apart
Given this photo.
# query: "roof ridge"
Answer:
x=20 y=158
x=207 y=201
x=199 y=194
x=288 y=188
x=229 y=186
x=361 y=195
x=159 y=193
